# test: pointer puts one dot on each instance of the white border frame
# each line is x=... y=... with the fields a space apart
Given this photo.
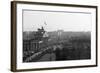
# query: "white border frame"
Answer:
x=36 y=65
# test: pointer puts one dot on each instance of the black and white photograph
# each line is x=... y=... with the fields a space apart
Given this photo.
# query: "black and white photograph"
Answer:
x=56 y=35
x=53 y=36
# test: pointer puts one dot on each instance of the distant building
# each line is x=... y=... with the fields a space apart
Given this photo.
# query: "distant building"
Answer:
x=36 y=42
x=60 y=32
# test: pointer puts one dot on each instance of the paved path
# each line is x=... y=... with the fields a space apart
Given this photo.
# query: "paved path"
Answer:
x=44 y=55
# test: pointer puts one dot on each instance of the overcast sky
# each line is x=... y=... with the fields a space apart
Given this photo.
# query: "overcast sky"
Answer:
x=56 y=21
